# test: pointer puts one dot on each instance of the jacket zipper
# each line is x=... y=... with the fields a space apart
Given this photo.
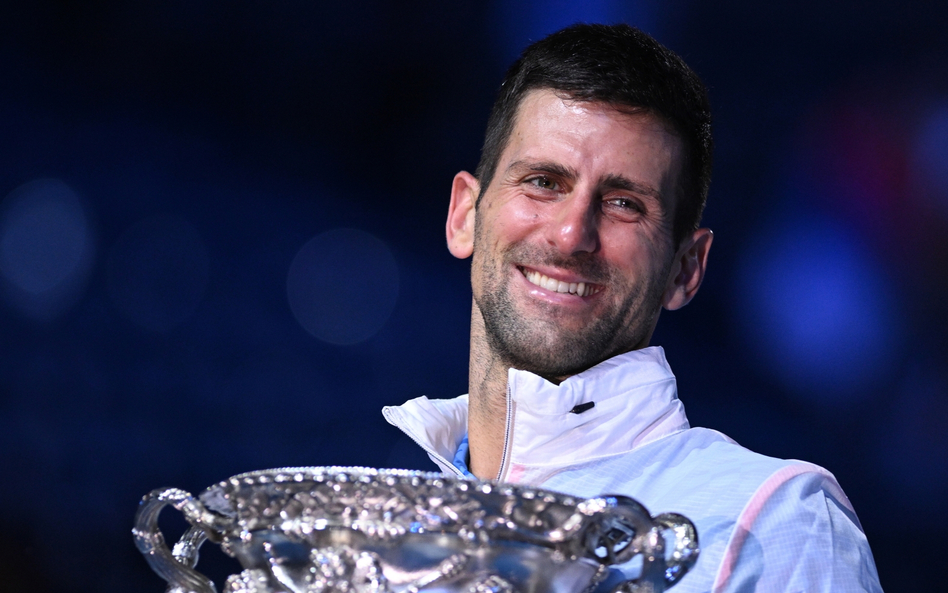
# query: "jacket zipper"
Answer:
x=507 y=424
x=438 y=456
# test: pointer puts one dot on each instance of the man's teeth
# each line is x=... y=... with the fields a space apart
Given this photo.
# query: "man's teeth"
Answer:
x=552 y=284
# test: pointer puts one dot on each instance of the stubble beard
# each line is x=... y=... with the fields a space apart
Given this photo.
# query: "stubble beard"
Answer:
x=539 y=343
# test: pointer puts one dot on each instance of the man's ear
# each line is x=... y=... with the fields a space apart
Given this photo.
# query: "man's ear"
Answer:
x=688 y=269
x=460 y=225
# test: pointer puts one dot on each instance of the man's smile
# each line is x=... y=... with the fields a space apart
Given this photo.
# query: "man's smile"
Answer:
x=582 y=289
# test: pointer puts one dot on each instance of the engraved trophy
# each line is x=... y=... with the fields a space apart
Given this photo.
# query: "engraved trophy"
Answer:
x=360 y=530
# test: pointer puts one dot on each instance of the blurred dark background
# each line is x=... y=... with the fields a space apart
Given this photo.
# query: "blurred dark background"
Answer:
x=222 y=249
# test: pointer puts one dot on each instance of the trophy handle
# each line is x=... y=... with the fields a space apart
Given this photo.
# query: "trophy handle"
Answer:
x=685 y=549
x=178 y=568
x=620 y=531
x=187 y=548
x=668 y=541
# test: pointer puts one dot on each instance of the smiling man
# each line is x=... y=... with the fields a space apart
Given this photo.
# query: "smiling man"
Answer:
x=583 y=224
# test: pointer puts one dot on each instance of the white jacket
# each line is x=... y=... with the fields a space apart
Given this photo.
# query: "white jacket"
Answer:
x=763 y=524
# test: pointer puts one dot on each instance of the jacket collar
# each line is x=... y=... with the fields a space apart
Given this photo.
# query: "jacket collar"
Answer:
x=635 y=399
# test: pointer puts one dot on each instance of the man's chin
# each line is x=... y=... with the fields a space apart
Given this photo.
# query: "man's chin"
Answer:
x=551 y=359
x=556 y=373
x=546 y=341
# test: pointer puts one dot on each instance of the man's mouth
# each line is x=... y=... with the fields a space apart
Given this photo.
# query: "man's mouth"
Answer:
x=582 y=289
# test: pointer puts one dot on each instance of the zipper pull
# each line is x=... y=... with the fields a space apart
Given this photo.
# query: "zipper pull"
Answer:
x=580 y=408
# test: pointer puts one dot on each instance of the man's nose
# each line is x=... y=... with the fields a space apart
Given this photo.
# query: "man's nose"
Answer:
x=575 y=226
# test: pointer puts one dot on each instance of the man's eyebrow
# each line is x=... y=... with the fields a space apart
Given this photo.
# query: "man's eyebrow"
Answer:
x=620 y=182
x=543 y=167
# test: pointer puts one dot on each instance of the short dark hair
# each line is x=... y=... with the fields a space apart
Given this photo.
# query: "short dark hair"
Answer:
x=626 y=68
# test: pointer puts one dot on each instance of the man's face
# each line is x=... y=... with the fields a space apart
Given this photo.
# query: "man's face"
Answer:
x=573 y=238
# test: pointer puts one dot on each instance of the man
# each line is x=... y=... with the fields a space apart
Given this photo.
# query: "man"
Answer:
x=583 y=224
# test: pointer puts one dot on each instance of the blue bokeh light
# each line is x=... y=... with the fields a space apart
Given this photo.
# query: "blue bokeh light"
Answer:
x=817 y=309
x=342 y=286
x=46 y=248
x=930 y=156
x=522 y=22
x=158 y=272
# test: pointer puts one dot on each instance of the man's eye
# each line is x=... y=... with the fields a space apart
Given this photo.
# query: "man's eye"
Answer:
x=624 y=208
x=626 y=204
x=543 y=183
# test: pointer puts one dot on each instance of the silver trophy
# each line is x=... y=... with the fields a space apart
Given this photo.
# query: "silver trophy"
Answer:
x=360 y=530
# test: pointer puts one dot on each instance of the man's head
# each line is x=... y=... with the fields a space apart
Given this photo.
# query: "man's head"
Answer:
x=623 y=67
x=574 y=223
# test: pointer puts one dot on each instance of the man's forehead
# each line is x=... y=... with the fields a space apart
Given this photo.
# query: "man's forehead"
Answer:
x=549 y=121
x=537 y=95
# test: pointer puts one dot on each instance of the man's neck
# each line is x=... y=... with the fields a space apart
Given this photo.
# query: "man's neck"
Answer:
x=487 y=413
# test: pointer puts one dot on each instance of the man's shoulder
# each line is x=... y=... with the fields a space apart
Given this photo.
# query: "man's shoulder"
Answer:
x=708 y=454
x=705 y=453
x=706 y=465
x=704 y=471
x=692 y=468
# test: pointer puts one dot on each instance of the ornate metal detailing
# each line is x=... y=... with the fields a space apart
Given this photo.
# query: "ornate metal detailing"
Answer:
x=361 y=530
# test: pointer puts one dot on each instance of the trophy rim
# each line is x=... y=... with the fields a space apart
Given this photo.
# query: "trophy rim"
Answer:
x=499 y=507
x=301 y=474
